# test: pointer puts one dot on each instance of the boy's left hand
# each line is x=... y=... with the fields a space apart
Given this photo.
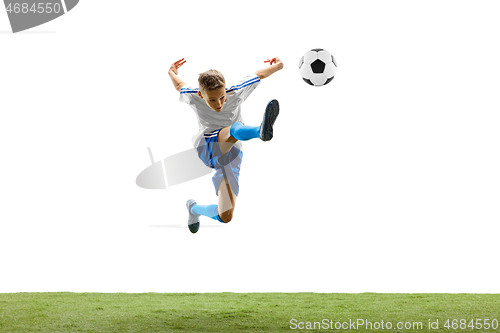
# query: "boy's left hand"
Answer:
x=275 y=65
x=274 y=60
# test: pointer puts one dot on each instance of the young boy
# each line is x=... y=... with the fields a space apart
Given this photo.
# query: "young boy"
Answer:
x=221 y=129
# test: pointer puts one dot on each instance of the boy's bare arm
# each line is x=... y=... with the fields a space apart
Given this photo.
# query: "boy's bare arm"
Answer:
x=173 y=71
x=275 y=65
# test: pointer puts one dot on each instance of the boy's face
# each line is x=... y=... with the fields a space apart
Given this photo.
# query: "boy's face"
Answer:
x=214 y=98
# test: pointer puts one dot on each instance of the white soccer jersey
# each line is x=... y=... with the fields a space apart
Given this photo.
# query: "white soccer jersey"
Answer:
x=209 y=119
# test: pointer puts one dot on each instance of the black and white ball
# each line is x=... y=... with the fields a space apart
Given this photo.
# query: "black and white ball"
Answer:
x=318 y=67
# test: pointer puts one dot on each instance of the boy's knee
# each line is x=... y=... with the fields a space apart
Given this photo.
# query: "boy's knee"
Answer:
x=226 y=217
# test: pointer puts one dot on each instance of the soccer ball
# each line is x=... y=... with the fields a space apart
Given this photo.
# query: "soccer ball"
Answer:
x=317 y=67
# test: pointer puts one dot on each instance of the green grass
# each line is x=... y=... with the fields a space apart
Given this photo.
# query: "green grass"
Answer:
x=228 y=312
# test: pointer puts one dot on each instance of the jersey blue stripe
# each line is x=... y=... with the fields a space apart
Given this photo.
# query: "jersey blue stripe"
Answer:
x=244 y=84
x=256 y=78
x=189 y=91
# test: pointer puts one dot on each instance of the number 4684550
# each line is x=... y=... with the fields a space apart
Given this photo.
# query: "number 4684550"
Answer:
x=477 y=324
x=36 y=8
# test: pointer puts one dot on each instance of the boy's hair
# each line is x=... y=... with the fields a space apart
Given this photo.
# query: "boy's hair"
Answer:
x=211 y=80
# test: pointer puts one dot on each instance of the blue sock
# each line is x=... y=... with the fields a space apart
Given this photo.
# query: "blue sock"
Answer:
x=244 y=133
x=211 y=211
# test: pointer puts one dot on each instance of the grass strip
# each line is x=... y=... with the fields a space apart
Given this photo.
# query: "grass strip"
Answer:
x=250 y=312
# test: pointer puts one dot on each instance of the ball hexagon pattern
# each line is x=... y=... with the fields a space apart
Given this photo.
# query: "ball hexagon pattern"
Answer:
x=317 y=67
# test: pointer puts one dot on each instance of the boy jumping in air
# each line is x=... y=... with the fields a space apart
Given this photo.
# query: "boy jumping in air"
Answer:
x=221 y=129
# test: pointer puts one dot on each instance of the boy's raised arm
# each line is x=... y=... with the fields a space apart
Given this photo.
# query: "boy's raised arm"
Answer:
x=275 y=65
x=173 y=71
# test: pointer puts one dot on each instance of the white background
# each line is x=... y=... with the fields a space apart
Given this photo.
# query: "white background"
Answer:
x=385 y=180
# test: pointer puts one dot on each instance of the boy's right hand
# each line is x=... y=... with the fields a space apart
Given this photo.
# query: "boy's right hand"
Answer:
x=176 y=65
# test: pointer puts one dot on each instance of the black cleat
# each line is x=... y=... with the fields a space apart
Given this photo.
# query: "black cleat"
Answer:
x=266 y=128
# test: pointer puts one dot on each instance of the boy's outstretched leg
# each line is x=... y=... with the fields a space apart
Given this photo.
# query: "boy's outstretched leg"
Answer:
x=228 y=136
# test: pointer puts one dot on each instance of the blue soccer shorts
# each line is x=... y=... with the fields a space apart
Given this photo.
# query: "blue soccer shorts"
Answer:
x=226 y=166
